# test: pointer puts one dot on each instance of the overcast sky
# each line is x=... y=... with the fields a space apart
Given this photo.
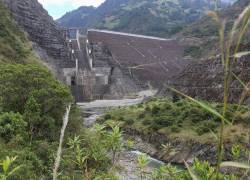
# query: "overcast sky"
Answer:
x=57 y=8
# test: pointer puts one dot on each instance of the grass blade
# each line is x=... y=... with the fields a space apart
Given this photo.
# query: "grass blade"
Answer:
x=14 y=170
x=235 y=164
x=240 y=81
x=240 y=54
x=191 y=173
x=202 y=105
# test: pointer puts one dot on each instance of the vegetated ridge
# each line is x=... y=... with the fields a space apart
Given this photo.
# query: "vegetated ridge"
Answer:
x=160 y=18
x=32 y=104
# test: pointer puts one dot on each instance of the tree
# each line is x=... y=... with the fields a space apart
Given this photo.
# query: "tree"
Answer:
x=32 y=91
x=32 y=114
x=12 y=124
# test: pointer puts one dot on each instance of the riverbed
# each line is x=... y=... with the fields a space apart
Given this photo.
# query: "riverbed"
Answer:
x=127 y=162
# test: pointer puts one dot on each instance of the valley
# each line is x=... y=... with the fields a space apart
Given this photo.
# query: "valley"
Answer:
x=133 y=90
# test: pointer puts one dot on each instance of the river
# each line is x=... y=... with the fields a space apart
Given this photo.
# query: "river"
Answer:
x=128 y=158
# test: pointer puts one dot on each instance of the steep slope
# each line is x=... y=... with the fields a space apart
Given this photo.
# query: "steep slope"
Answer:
x=204 y=79
x=202 y=36
x=14 y=46
x=47 y=37
x=32 y=104
x=157 y=17
x=83 y=19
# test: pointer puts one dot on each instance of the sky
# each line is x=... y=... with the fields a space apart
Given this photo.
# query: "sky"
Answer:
x=57 y=8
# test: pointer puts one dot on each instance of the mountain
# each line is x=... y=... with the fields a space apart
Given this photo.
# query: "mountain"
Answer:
x=149 y=17
x=83 y=20
x=203 y=79
x=201 y=37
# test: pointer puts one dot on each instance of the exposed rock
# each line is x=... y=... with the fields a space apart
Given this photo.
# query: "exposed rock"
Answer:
x=41 y=30
x=204 y=80
x=181 y=149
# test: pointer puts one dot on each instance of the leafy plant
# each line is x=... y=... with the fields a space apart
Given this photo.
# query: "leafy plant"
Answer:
x=6 y=166
x=114 y=142
x=236 y=150
x=143 y=161
x=11 y=125
x=90 y=151
x=130 y=144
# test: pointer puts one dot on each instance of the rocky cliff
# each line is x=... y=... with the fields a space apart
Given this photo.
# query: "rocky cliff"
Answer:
x=47 y=37
x=204 y=80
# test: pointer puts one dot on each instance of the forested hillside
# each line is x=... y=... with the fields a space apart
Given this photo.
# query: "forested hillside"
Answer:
x=32 y=104
x=157 y=17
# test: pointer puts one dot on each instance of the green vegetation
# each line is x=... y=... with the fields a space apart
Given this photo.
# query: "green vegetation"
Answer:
x=181 y=119
x=14 y=47
x=89 y=153
x=142 y=163
x=205 y=31
x=32 y=104
x=161 y=18
x=193 y=51
x=6 y=166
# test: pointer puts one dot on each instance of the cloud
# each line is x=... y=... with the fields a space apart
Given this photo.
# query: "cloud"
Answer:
x=57 y=8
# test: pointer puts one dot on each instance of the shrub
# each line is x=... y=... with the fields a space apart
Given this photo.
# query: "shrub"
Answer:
x=141 y=115
x=107 y=116
x=129 y=122
x=11 y=125
x=148 y=109
x=175 y=129
x=167 y=106
x=18 y=83
x=155 y=126
x=147 y=121
x=206 y=127
x=140 y=105
x=164 y=121
x=155 y=110
x=121 y=118
x=193 y=51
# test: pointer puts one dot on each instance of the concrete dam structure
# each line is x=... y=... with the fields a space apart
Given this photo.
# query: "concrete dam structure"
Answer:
x=114 y=65
x=98 y=64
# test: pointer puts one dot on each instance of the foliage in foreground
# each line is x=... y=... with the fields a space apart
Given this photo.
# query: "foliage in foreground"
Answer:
x=32 y=104
x=92 y=154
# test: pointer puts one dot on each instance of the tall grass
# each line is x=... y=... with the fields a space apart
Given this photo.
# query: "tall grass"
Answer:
x=229 y=47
